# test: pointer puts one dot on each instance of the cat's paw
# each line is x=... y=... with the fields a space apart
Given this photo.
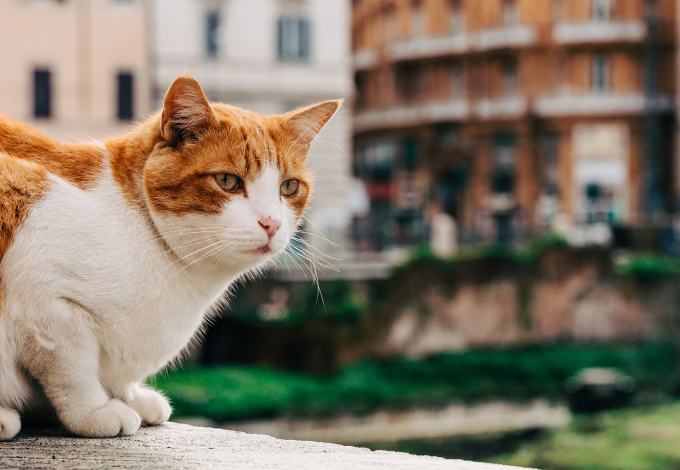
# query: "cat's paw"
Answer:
x=10 y=424
x=113 y=419
x=151 y=406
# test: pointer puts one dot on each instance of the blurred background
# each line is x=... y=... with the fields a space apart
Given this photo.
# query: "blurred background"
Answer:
x=491 y=266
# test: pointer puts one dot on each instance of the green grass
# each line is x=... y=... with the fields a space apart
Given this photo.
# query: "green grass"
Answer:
x=240 y=392
x=649 y=266
x=632 y=439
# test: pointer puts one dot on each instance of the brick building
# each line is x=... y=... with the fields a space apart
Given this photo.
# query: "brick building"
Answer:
x=513 y=116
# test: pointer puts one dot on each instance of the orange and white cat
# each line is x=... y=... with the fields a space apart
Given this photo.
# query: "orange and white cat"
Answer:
x=112 y=254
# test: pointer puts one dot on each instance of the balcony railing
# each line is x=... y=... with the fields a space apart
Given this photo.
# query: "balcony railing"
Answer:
x=509 y=36
x=453 y=110
x=484 y=40
x=512 y=107
x=501 y=108
x=364 y=59
x=599 y=31
x=570 y=104
x=426 y=47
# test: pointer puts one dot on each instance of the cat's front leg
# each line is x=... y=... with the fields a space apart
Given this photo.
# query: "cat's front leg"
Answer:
x=151 y=405
x=64 y=357
x=10 y=423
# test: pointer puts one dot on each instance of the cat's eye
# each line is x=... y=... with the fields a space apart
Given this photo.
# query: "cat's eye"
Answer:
x=290 y=187
x=228 y=182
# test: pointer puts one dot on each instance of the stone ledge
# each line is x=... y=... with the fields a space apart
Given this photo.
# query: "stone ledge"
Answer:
x=176 y=445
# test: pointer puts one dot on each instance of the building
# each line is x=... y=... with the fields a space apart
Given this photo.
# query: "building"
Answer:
x=269 y=56
x=75 y=69
x=514 y=117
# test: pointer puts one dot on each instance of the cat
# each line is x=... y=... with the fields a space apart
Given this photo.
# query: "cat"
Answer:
x=112 y=254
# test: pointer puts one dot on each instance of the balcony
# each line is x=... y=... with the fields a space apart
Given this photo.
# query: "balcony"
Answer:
x=430 y=47
x=484 y=40
x=570 y=104
x=364 y=59
x=454 y=110
x=505 y=37
x=599 y=32
x=502 y=108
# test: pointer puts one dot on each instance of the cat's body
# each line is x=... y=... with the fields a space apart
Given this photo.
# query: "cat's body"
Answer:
x=112 y=254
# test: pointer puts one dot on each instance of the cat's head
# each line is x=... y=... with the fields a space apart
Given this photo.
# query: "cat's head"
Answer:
x=225 y=185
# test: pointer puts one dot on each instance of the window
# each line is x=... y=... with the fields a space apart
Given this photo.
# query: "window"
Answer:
x=600 y=78
x=361 y=86
x=418 y=26
x=510 y=85
x=457 y=82
x=294 y=41
x=503 y=174
x=409 y=82
x=125 y=96
x=601 y=9
x=212 y=34
x=509 y=13
x=410 y=151
x=456 y=17
x=375 y=160
x=548 y=149
x=42 y=93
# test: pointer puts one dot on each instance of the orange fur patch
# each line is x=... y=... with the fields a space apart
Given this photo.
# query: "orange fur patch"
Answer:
x=78 y=163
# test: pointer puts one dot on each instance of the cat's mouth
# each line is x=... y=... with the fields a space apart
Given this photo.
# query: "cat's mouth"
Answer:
x=263 y=250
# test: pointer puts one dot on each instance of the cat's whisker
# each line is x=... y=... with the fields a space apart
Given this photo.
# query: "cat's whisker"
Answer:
x=197 y=260
x=227 y=251
x=304 y=263
x=190 y=254
x=323 y=156
x=312 y=258
x=314 y=224
x=315 y=276
x=331 y=143
x=174 y=249
x=316 y=235
x=310 y=246
x=177 y=233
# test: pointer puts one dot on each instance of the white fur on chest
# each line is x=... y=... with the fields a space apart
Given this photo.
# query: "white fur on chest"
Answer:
x=94 y=249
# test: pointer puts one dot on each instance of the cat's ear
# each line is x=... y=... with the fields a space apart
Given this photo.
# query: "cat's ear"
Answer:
x=304 y=124
x=186 y=111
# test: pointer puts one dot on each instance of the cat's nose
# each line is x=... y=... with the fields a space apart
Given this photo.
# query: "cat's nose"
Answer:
x=270 y=225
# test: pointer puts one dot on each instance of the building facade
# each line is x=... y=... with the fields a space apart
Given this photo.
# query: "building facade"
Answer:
x=514 y=117
x=75 y=69
x=269 y=56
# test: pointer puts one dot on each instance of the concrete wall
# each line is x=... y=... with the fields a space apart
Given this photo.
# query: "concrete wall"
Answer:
x=565 y=295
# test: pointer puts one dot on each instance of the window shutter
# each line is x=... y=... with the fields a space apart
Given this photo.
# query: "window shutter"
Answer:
x=305 y=40
x=42 y=93
x=125 y=96
x=279 y=27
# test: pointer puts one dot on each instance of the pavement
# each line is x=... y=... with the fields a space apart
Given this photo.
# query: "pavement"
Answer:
x=182 y=446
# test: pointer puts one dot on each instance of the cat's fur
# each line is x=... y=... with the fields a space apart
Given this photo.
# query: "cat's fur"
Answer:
x=112 y=254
